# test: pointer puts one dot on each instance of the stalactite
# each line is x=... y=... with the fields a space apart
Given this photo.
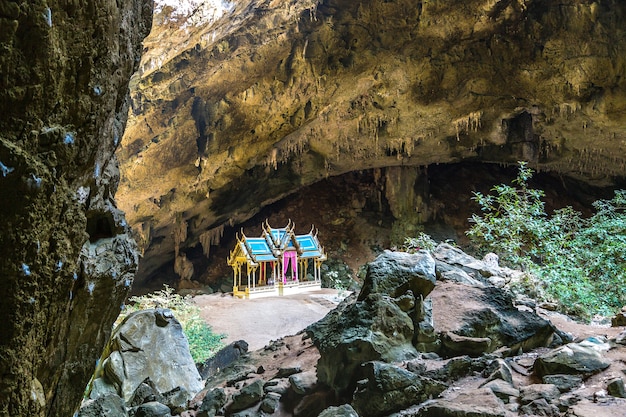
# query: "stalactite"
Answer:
x=211 y=237
x=180 y=235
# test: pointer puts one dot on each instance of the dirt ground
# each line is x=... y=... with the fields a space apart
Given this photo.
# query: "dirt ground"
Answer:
x=259 y=321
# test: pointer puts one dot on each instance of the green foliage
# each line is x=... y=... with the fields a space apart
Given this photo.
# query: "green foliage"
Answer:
x=576 y=261
x=203 y=343
x=422 y=241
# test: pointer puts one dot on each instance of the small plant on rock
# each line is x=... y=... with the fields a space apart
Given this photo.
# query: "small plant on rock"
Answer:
x=203 y=343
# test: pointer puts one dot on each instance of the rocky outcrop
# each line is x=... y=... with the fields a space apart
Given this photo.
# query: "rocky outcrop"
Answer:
x=67 y=260
x=148 y=345
x=259 y=98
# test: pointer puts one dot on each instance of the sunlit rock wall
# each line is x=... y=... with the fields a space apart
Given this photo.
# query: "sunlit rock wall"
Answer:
x=66 y=256
x=237 y=110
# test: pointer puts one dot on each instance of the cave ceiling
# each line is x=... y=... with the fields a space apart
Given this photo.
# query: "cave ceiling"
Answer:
x=238 y=106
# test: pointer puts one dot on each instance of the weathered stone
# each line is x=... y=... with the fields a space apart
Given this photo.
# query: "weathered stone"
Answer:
x=278 y=386
x=303 y=383
x=483 y=319
x=615 y=387
x=151 y=344
x=564 y=383
x=386 y=388
x=344 y=410
x=534 y=392
x=481 y=402
x=457 y=258
x=499 y=369
x=212 y=402
x=503 y=390
x=372 y=329
x=145 y=392
x=395 y=273
x=176 y=399
x=270 y=403
x=571 y=359
x=152 y=409
x=248 y=396
x=540 y=407
x=100 y=387
x=287 y=372
x=223 y=358
x=110 y=405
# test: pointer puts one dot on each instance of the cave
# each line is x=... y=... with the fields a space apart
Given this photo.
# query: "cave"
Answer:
x=100 y=225
x=356 y=222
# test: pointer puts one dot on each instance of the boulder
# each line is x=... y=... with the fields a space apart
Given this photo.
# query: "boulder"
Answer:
x=564 y=383
x=534 y=392
x=615 y=387
x=145 y=392
x=223 y=358
x=303 y=383
x=150 y=344
x=248 y=396
x=212 y=403
x=471 y=403
x=385 y=388
x=474 y=320
x=573 y=358
x=455 y=257
x=357 y=332
x=503 y=390
x=395 y=273
x=270 y=403
x=344 y=410
x=152 y=409
x=110 y=405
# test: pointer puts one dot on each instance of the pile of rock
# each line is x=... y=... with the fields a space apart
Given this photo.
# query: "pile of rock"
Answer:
x=430 y=334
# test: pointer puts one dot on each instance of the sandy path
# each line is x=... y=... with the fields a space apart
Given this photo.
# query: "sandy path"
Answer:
x=262 y=320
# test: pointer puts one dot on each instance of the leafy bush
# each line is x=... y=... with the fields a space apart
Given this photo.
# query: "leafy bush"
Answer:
x=203 y=343
x=422 y=241
x=576 y=261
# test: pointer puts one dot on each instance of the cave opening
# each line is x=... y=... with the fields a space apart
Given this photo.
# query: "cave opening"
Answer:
x=356 y=218
x=100 y=225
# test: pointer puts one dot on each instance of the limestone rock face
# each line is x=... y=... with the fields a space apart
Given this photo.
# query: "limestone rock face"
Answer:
x=67 y=259
x=259 y=98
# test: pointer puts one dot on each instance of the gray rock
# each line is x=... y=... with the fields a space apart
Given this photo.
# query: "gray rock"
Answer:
x=286 y=372
x=499 y=369
x=110 y=405
x=472 y=403
x=152 y=409
x=484 y=319
x=564 y=383
x=386 y=388
x=572 y=358
x=447 y=272
x=534 y=392
x=303 y=383
x=212 y=402
x=248 y=396
x=145 y=392
x=223 y=358
x=540 y=407
x=101 y=387
x=456 y=257
x=358 y=332
x=503 y=390
x=176 y=399
x=278 y=386
x=270 y=403
x=345 y=410
x=150 y=344
x=615 y=387
x=395 y=273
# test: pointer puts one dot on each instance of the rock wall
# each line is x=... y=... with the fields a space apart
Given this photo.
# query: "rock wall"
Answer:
x=238 y=110
x=66 y=256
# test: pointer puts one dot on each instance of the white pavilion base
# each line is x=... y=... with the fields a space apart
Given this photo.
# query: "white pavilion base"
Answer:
x=277 y=290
